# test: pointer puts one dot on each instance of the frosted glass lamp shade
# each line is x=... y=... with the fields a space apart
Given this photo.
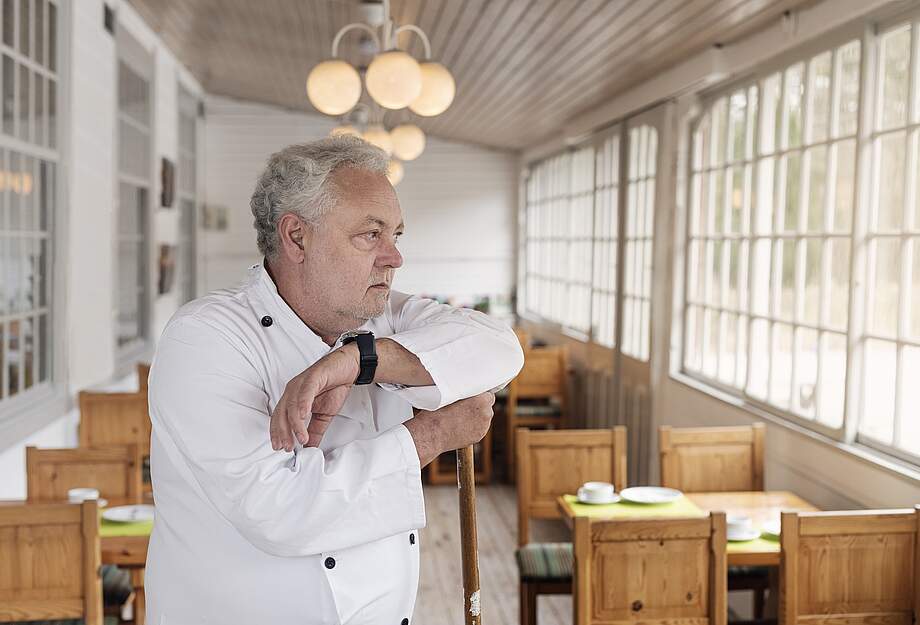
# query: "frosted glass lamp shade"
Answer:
x=378 y=135
x=334 y=87
x=438 y=90
x=408 y=142
x=347 y=129
x=394 y=79
x=395 y=172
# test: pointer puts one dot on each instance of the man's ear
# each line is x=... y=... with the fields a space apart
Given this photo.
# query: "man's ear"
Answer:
x=292 y=232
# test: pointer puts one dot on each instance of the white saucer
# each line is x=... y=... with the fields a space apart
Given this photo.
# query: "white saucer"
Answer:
x=100 y=503
x=650 y=494
x=129 y=514
x=597 y=502
x=772 y=527
x=742 y=536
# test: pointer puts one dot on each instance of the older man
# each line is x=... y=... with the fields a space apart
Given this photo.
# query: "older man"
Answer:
x=286 y=454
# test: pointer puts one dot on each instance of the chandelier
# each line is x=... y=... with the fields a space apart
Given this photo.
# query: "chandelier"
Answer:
x=394 y=79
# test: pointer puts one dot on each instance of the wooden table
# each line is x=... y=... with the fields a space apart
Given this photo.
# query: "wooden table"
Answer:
x=760 y=506
x=130 y=553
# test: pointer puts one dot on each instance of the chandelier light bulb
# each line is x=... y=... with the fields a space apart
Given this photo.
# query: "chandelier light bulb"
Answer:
x=408 y=142
x=334 y=87
x=395 y=172
x=378 y=135
x=438 y=90
x=346 y=129
x=394 y=79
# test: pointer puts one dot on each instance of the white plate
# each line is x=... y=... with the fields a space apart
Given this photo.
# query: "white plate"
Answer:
x=742 y=535
x=772 y=527
x=129 y=514
x=650 y=494
x=596 y=502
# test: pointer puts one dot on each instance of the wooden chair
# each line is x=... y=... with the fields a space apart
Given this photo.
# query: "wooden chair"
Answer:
x=545 y=379
x=844 y=568
x=143 y=374
x=108 y=419
x=717 y=459
x=443 y=469
x=552 y=463
x=50 y=562
x=114 y=471
x=657 y=571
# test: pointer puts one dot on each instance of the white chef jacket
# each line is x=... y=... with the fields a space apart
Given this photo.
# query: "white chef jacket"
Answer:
x=248 y=535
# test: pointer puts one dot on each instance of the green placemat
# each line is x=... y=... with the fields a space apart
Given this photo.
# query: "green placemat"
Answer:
x=683 y=507
x=765 y=544
x=107 y=528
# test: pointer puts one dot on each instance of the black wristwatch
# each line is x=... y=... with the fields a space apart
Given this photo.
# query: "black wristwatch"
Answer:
x=367 y=348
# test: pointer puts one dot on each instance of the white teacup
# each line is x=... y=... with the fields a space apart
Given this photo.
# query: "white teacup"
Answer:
x=739 y=524
x=597 y=491
x=79 y=495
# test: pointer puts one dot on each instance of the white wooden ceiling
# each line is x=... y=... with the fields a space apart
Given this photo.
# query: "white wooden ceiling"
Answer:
x=523 y=67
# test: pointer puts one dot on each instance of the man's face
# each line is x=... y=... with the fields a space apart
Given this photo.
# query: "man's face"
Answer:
x=351 y=254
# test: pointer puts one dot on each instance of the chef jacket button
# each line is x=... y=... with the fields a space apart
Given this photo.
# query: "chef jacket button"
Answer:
x=330 y=563
x=405 y=621
x=412 y=539
x=266 y=321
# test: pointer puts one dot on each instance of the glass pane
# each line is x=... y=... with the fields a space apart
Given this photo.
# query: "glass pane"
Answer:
x=878 y=391
x=732 y=250
x=728 y=327
x=9 y=22
x=784 y=266
x=793 y=105
x=52 y=37
x=895 y=78
x=719 y=131
x=910 y=401
x=693 y=356
x=763 y=211
x=24 y=30
x=736 y=201
x=804 y=392
x=845 y=154
x=833 y=379
x=701 y=139
x=771 y=114
x=52 y=113
x=714 y=251
x=760 y=359
x=819 y=80
x=28 y=353
x=817 y=188
x=45 y=347
x=698 y=202
x=913 y=326
x=736 y=126
x=760 y=281
x=711 y=340
x=781 y=365
x=892 y=174
x=839 y=303
x=884 y=276
x=38 y=104
x=25 y=106
x=812 y=294
x=9 y=94
x=13 y=357
x=39 y=35
x=717 y=202
x=848 y=59
x=793 y=176
x=741 y=372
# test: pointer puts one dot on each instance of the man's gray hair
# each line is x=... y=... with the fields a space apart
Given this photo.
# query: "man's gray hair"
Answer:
x=296 y=180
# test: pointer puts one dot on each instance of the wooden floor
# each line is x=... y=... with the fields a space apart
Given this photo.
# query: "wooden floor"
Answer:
x=440 y=590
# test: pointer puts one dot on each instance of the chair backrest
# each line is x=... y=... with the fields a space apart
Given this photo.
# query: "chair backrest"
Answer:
x=49 y=568
x=114 y=419
x=143 y=374
x=840 y=568
x=657 y=571
x=114 y=471
x=716 y=459
x=552 y=463
x=544 y=375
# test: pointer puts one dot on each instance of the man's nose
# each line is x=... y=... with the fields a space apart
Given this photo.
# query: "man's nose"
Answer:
x=390 y=256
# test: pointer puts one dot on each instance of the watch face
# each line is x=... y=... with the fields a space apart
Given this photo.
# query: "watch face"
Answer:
x=354 y=333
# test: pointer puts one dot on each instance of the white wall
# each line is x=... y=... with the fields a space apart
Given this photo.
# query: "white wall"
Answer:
x=459 y=203
x=87 y=225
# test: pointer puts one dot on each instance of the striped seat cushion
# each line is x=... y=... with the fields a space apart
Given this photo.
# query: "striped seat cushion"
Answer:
x=542 y=561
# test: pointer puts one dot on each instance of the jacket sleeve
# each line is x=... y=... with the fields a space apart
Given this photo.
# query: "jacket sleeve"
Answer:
x=209 y=406
x=465 y=351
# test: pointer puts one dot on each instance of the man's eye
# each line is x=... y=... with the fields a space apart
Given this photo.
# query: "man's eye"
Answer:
x=397 y=235
x=372 y=236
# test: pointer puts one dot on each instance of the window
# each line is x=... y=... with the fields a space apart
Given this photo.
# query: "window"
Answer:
x=187 y=187
x=637 y=259
x=29 y=161
x=559 y=231
x=780 y=226
x=134 y=182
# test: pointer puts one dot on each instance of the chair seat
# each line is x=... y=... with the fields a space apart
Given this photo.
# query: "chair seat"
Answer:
x=537 y=410
x=545 y=561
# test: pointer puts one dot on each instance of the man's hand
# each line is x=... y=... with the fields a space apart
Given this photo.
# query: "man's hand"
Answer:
x=314 y=396
x=458 y=425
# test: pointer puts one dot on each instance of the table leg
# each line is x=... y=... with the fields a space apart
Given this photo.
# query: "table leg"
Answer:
x=140 y=602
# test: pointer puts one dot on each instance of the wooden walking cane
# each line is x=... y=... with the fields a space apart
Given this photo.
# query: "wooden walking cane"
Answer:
x=469 y=549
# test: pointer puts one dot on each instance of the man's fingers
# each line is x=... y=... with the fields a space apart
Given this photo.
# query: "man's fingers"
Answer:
x=319 y=423
x=298 y=412
x=277 y=427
